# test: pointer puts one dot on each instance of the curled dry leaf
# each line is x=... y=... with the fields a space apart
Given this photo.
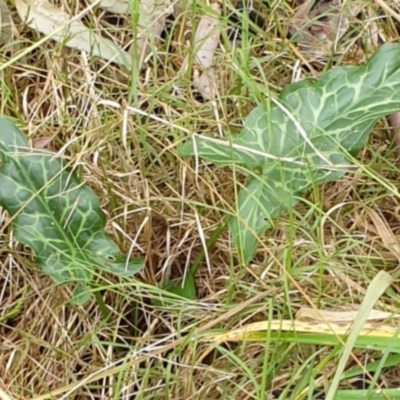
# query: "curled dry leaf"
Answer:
x=152 y=19
x=206 y=42
x=206 y=83
x=50 y=20
x=207 y=37
x=317 y=28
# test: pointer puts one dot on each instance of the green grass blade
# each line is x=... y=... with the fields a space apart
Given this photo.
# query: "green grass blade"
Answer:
x=383 y=394
x=376 y=288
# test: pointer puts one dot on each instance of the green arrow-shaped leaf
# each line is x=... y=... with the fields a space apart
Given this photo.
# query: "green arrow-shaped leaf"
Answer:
x=303 y=138
x=55 y=215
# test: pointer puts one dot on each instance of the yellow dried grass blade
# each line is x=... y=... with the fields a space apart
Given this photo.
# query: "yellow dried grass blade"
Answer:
x=251 y=331
x=256 y=331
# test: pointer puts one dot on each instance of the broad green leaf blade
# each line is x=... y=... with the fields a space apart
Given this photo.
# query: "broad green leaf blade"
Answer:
x=55 y=215
x=251 y=221
x=258 y=204
x=306 y=136
x=187 y=289
x=218 y=151
x=81 y=294
x=262 y=200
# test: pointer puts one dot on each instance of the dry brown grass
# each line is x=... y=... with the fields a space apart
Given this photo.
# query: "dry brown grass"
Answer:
x=51 y=349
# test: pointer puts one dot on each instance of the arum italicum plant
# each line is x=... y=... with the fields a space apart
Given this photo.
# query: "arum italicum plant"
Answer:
x=307 y=135
x=56 y=216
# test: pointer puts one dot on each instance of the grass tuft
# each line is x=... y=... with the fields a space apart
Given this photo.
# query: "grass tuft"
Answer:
x=120 y=131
